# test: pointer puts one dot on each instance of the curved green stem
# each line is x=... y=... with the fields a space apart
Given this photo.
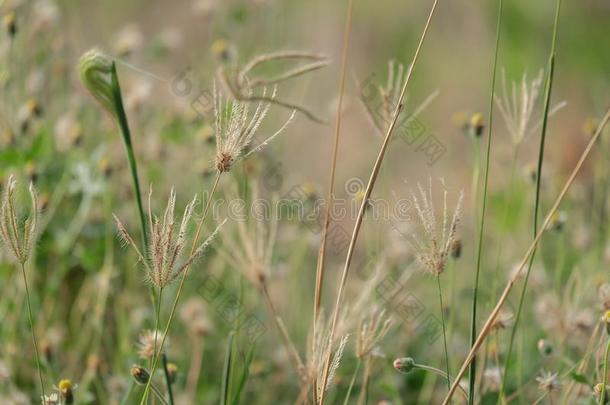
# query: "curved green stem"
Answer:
x=441 y=373
x=126 y=133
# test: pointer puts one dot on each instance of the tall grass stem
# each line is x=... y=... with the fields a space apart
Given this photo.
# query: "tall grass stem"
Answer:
x=367 y=194
x=475 y=290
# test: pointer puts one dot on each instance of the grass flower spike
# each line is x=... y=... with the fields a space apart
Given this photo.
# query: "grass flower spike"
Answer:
x=20 y=245
x=18 y=242
x=165 y=261
x=434 y=251
x=517 y=106
x=235 y=129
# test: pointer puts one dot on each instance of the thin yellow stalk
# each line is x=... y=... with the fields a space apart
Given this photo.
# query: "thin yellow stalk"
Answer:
x=367 y=194
x=488 y=324
x=333 y=166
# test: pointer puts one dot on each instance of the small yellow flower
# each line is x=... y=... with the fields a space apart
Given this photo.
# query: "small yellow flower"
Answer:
x=66 y=391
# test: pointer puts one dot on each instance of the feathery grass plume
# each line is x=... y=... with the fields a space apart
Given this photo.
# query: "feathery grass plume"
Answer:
x=380 y=101
x=148 y=341
x=323 y=345
x=336 y=361
x=373 y=327
x=319 y=345
x=95 y=70
x=434 y=249
x=20 y=245
x=242 y=86
x=235 y=128
x=19 y=242
x=517 y=106
x=165 y=261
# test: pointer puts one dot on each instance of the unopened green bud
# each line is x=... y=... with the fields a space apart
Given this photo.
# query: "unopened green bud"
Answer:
x=404 y=364
x=95 y=71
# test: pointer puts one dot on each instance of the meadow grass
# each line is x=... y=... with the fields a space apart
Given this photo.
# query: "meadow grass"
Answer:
x=287 y=257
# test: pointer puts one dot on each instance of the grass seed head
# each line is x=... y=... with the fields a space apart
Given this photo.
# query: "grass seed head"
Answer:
x=18 y=240
x=235 y=127
x=437 y=241
x=166 y=260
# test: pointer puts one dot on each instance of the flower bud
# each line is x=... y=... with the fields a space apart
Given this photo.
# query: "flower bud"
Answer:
x=456 y=248
x=544 y=347
x=172 y=372
x=95 y=72
x=477 y=124
x=140 y=374
x=10 y=25
x=404 y=364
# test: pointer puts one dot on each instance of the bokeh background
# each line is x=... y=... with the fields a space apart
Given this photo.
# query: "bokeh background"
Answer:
x=53 y=133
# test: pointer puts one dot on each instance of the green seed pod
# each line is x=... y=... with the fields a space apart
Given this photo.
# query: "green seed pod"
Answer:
x=95 y=72
x=404 y=364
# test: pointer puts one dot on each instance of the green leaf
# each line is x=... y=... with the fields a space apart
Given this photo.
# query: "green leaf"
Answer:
x=579 y=378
